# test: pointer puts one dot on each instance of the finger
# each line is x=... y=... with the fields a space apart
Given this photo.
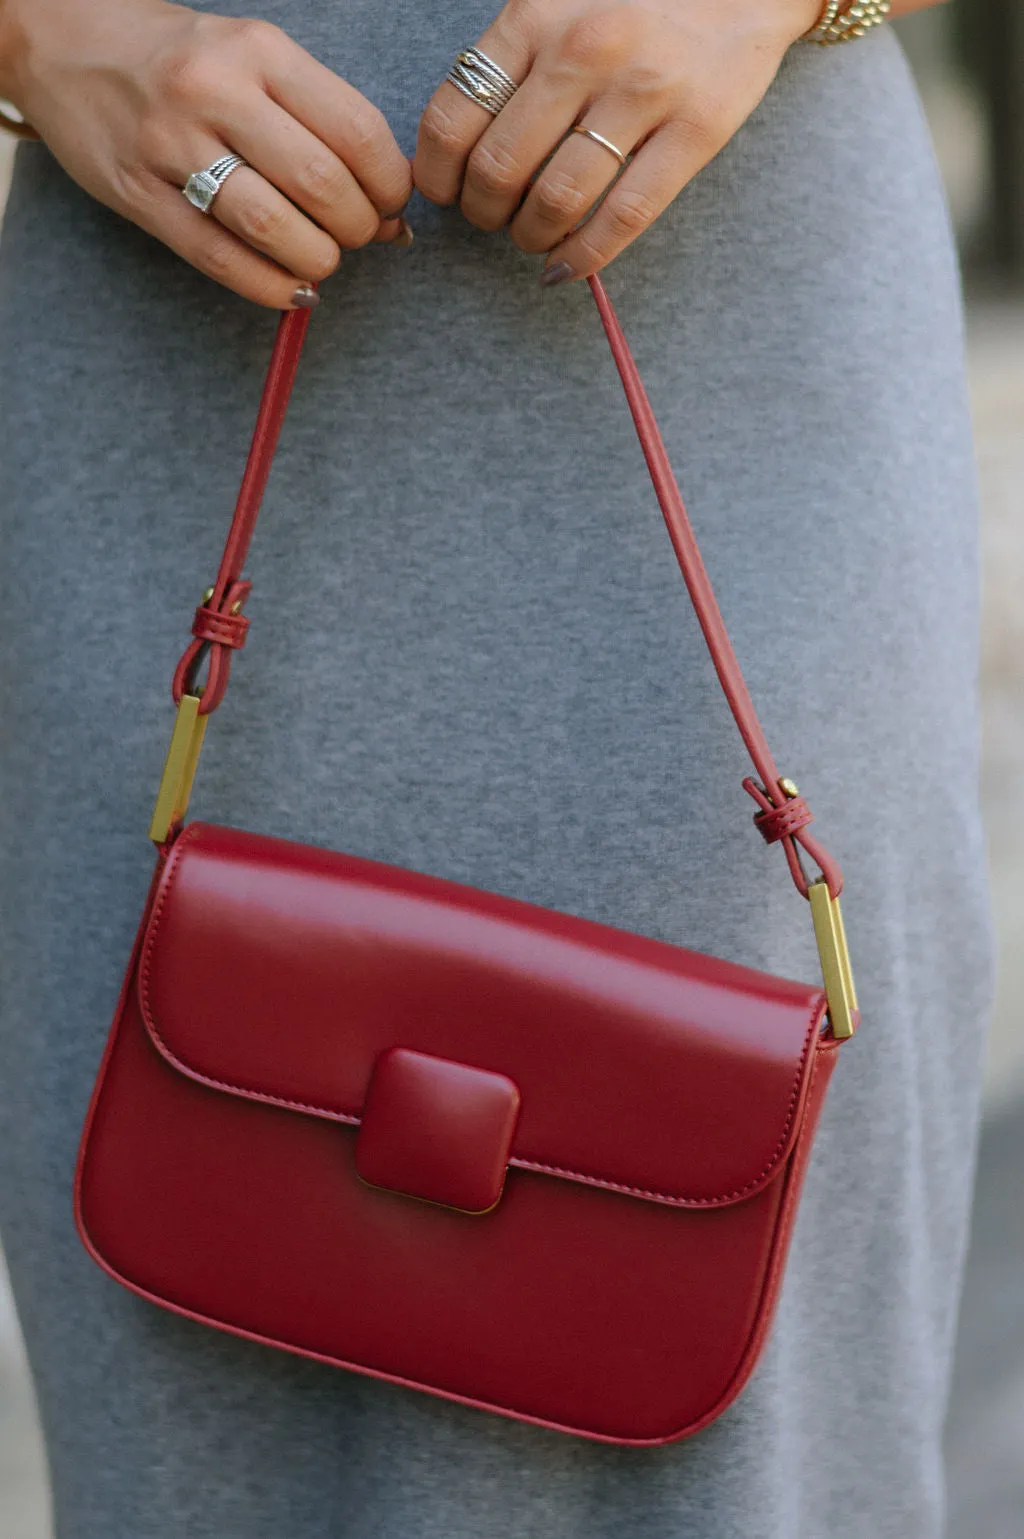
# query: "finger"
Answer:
x=514 y=145
x=216 y=251
x=266 y=220
x=305 y=169
x=451 y=124
x=576 y=177
x=340 y=117
x=396 y=232
x=659 y=172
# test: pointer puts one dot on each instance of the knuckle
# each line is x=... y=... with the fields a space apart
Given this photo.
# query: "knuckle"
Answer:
x=440 y=131
x=595 y=251
x=261 y=221
x=602 y=41
x=521 y=16
x=628 y=214
x=643 y=80
x=253 y=34
x=367 y=131
x=493 y=170
x=559 y=199
x=395 y=190
x=191 y=77
x=218 y=47
x=321 y=179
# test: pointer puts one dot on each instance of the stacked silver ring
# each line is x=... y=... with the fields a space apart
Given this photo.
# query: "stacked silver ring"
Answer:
x=203 y=186
x=483 y=81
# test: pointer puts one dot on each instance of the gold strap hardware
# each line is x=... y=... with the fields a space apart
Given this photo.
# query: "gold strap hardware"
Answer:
x=179 y=769
x=835 y=959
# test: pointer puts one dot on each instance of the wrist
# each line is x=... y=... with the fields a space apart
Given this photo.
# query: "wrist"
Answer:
x=35 y=33
x=12 y=49
x=25 y=25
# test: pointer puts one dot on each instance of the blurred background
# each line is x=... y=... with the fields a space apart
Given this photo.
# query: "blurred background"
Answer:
x=969 y=60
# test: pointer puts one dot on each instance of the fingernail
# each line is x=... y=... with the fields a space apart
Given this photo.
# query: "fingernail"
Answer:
x=305 y=298
x=405 y=236
x=558 y=272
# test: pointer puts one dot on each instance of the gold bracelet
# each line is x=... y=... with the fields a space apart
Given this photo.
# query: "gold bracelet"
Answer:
x=834 y=26
x=827 y=17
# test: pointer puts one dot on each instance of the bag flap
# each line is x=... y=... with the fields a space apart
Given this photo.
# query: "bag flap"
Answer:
x=281 y=973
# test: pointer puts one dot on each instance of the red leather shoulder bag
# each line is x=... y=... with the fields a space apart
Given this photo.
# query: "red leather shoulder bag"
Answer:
x=518 y=1159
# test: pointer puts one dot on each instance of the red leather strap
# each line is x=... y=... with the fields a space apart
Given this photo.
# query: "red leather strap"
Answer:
x=698 y=585
x=229 y=590
x=780 y=817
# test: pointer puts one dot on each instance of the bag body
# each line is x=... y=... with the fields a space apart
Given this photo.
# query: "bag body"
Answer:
x=514 y=1158
x=623 y=1273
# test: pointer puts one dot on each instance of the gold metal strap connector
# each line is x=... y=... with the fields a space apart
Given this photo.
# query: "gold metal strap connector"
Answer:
x=179 y=769
x=835 y=960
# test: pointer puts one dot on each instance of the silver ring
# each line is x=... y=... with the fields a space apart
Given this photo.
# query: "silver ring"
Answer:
x=600 y=139
x=203 y=186
x=483 y=81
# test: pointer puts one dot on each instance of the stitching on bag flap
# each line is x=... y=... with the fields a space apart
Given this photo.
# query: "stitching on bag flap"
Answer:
x=694 y=1202
x=518 y=1162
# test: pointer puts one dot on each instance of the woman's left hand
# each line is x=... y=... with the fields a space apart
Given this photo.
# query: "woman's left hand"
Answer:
x=666 y=81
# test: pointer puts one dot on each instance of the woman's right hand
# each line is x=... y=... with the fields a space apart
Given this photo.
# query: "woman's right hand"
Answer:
x=134 y=95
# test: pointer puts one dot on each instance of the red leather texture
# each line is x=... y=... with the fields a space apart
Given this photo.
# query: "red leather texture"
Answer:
x=437 y=1130
x=624 y=1281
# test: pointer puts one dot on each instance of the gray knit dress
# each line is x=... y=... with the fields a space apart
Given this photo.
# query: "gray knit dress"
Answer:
x=472 y=655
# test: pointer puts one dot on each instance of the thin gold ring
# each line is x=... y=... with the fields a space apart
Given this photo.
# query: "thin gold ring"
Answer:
x=607 y=144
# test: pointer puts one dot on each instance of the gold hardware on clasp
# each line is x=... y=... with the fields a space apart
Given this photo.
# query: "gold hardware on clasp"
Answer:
x=236 y=608
x=179 y=769
x=835 y=959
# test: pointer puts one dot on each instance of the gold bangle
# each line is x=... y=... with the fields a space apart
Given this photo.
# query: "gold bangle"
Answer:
x=828 y=15
x=835 y=26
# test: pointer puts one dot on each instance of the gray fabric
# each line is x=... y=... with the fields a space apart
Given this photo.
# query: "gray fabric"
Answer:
x=472 y=654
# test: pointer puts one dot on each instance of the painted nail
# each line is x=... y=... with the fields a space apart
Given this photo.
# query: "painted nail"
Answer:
x=305 y=298
x=405 y=236
x=558 y=272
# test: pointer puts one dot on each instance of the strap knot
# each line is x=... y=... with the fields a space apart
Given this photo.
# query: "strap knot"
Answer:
x=228 y=630
x=219 y=629
x=783 y=822
x=775 y=823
